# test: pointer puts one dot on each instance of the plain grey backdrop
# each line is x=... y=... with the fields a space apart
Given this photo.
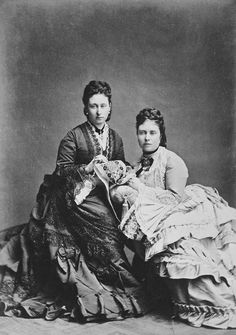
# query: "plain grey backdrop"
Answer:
x=176 y=55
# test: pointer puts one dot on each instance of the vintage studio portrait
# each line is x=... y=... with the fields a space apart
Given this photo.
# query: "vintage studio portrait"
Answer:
x=118 y=167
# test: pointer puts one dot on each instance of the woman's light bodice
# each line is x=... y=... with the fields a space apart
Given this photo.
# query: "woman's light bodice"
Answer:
x=155 y=176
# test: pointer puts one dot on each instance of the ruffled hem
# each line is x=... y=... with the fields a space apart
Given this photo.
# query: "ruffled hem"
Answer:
x=209 y=316
x=191 y=259
x=173 y=234
x=178 y=268
x=202 y=215
x=201 y=222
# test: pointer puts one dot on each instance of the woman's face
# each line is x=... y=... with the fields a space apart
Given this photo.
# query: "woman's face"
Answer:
x=149 y=136
x=98 y=110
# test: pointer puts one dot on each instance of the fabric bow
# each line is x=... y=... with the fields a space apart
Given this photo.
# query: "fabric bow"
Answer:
x=146 y=163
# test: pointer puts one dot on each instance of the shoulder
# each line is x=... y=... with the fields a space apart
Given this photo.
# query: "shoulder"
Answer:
x=74 y=132
x=79 y=128
x=73 y=136
x=174 y=161
x=115 y=134
x=172 y=156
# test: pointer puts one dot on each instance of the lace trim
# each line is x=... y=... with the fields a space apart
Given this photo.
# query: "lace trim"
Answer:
x=26 y=287
x=131 y=229
x=7 y=287
x=56 y=238
x=96 y=145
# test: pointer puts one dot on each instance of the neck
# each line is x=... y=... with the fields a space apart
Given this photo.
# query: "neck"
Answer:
x=149 y=153
x=100 y=127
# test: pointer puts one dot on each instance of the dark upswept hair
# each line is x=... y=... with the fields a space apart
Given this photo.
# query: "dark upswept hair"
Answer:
x=155 y=115
x=96 y=87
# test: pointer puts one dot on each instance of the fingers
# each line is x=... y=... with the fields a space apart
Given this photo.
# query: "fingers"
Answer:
x=100 y=159
x=132 y=182
x=132 y=179
x=126 y=179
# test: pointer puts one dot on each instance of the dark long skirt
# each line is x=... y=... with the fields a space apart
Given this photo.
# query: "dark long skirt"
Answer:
x=68 y=262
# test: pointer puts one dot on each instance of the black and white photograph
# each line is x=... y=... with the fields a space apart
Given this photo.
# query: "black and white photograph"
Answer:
x=117 y=167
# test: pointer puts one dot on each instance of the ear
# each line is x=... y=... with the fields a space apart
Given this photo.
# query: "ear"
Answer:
x=85 y=111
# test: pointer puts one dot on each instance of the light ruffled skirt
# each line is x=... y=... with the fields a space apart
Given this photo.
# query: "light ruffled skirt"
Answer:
x=192 y=246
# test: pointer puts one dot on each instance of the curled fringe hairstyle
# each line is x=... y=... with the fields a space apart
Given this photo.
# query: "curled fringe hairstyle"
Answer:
x=155 y=115
x=96 y=87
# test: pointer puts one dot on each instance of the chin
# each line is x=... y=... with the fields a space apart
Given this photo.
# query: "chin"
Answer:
x=147 y=150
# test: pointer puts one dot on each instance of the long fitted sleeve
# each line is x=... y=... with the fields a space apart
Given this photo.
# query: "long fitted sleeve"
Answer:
x=67 y=150
x=176 y=174
x=79 y=147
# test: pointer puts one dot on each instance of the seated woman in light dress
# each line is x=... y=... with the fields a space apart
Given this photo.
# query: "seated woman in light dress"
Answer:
x=186 y=232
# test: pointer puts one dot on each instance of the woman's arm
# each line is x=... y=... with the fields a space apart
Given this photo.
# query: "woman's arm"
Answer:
x=66 y=157
x=118 y=146
x=120 y=155
x=176 y=174
x=67 y=151
x=175 y=181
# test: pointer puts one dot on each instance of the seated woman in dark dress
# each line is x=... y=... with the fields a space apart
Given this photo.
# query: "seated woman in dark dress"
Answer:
x=185 y=234
x=69 y=259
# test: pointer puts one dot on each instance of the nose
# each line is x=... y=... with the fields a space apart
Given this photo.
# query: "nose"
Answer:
x=99 y=110
x=147 y=137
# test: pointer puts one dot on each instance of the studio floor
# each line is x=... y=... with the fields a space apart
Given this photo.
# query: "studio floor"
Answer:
x=155 y=323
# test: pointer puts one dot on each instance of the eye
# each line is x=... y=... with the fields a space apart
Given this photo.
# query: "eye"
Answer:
x=103 y=105
x=153 y=132
x=92 y=106
x=141 y=132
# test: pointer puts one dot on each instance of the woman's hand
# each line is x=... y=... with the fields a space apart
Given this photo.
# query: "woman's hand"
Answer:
x=97 y=159
x=135 y=183
x=100 y=159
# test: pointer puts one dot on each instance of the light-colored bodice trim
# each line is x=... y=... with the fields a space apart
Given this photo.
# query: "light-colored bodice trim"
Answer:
x=155 y=177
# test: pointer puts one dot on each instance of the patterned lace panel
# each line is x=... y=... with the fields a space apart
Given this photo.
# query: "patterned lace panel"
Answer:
x=97 y=249
x=98 y=238
x=96 y=235
x=17 y=287
x=7 y=286
x=113 y=171
x=26 y=287
x=131 y=228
